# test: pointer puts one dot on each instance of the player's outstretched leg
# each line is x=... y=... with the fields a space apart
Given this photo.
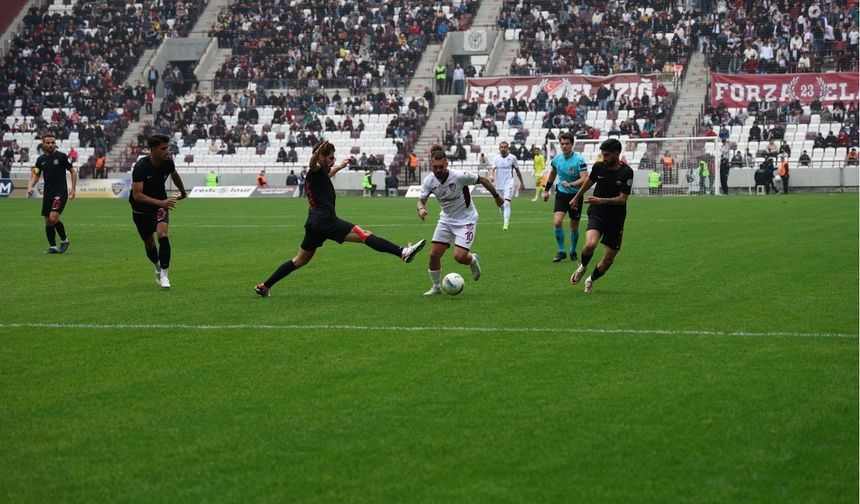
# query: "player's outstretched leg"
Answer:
x=302 y=257
x=279 y=274
x=409 y=252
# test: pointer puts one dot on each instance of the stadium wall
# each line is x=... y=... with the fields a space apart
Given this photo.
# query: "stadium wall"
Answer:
x=741 y=180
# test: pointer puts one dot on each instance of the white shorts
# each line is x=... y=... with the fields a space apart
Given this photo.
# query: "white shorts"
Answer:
x=461 y=234
x=508 y=192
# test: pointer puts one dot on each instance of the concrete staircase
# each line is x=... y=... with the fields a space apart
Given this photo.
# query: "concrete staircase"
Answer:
x=424 y=76
x=210 y=65
x=442 y=116
x=138 y=74
x=439 y=120
x=207 y=18
x=691 y=96
x=502 y=58
x=207 y=73
x=487 y=14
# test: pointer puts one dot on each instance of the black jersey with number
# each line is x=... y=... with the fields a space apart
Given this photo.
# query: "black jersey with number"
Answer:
x=320 y=191
x=609 y=184
x=153 y=178
x=53 y=168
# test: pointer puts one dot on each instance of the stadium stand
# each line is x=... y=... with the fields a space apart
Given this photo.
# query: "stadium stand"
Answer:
x=352 y=45
x=780 y=37
x=298 y=72
x=245 y=131
x=65 y=70
x=777 y=38
x=602 y=39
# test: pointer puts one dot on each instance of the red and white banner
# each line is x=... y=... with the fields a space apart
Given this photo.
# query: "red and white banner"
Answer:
x=557 y=86
x=736 y=90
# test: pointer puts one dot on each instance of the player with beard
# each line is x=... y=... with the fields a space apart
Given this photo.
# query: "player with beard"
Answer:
x=502 y=171
x=53 y=165
x=607 y=210
x=458 y=219
x=323 y=223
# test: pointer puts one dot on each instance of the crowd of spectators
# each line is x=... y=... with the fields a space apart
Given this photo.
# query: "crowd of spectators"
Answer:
x=317 y=43
x=781 y=36
x=770 y=120
x=307 y=115
x=602 y=39
x=570 y=115
x=79 y=62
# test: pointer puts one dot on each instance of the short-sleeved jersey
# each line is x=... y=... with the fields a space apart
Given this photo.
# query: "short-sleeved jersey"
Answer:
x=505 y=167
x=453 y=196
x=153 y=178
x=609 y=184
x=320 y=191
x=53 y=168
x=568 y=170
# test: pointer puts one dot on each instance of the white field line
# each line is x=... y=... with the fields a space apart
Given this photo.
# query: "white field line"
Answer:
x=355 y=327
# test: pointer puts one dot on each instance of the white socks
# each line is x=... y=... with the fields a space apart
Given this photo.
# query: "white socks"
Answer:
x=435 y=278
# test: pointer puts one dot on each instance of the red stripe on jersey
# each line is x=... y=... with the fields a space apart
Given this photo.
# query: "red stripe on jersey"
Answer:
x=309 y=192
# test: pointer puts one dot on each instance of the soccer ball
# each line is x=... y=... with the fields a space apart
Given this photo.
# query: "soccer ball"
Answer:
x=453 y=284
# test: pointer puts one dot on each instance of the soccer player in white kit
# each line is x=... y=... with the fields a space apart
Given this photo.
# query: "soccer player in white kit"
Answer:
x=457 y=220
x=502 y=174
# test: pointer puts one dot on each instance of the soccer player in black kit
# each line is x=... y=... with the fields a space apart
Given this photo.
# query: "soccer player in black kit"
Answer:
x=606 y=211
x=53 y=165
x=150 y=205
x=323 y=223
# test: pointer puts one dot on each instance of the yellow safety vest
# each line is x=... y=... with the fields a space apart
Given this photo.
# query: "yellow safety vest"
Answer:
x=211 y=180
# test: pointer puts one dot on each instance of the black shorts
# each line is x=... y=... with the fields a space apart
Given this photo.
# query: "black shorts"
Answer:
x=53 y=203
x=319 y=228
x=147 y=222
x=562 y=204
x=611 y=230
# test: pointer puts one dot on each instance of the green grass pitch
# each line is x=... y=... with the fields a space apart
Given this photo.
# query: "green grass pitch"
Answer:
x=716 y=362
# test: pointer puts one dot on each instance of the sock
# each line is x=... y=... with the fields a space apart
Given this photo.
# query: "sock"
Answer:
x=559 y=238
x=596 y=274
x=574 y=237
x=152 y=254
x=61 y=230
x=507 y=212
x=282 y=271
x=538 y=192
x=435 y=278
x=382 y=245
x=164 y=252
x=584 y=259
x=51 y=233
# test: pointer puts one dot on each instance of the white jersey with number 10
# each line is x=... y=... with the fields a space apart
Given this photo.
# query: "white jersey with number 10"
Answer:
x=453 y=196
